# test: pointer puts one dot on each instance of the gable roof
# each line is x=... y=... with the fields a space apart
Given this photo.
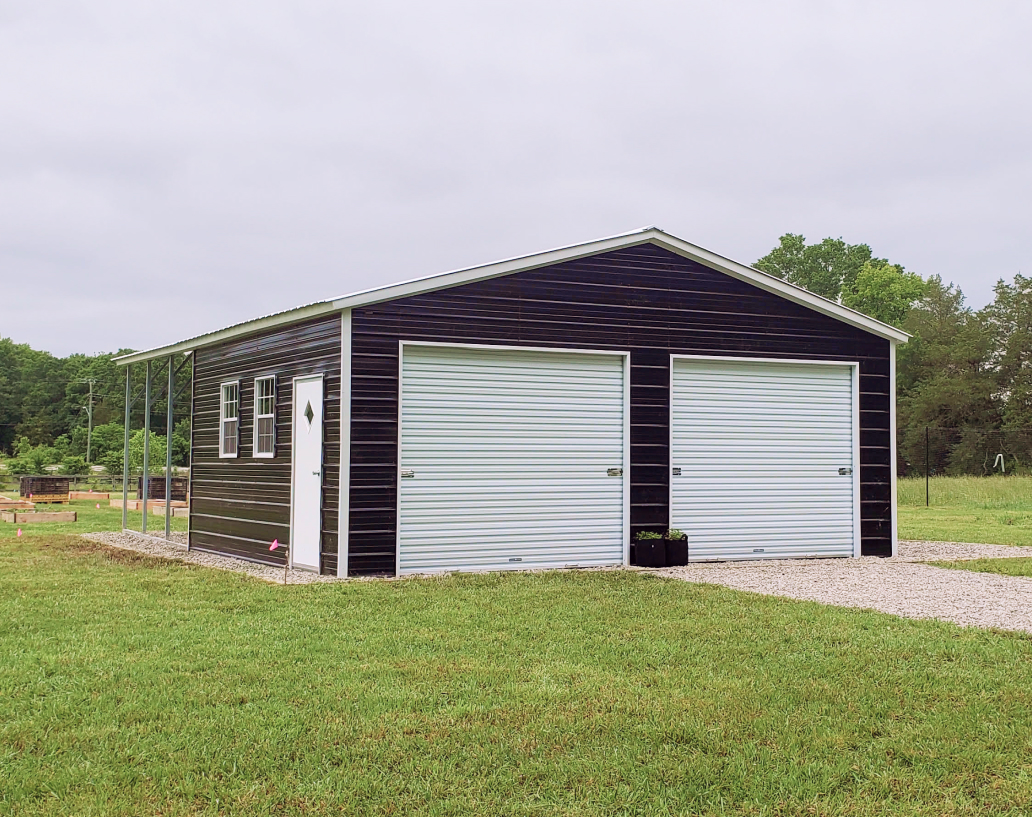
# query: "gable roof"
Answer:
x=647 y=235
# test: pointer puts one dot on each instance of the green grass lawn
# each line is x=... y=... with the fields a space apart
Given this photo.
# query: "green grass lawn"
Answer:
x=1020 y=566
x=91 y=519
x=987 y=510
x=135 y=686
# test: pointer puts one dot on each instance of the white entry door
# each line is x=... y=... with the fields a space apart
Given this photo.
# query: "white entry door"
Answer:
x=764 y=458
x=306 y=482
x=511 y=459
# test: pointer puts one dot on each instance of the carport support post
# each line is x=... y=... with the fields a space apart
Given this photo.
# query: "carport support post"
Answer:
x=168 y=450
x=146 y=444
x=125 y=452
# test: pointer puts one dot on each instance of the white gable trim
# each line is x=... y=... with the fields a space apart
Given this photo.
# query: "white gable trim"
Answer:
x=649 y=235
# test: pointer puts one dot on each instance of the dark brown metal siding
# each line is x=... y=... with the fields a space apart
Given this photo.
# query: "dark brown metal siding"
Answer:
x=239 y=505
x=644 y=299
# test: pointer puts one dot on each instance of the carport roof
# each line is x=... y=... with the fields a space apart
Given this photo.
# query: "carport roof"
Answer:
x=647 y=235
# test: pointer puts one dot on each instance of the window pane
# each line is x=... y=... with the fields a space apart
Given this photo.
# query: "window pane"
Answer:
x=229 y=437
x=264 y=399
x=229 y=401
x=266 y=436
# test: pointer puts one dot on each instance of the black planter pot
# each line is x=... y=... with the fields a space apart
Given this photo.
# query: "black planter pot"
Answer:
x=650 y=553
x=677 y=551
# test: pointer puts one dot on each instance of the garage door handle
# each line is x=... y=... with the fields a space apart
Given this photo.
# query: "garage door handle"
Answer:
x=407 y=472
x=845 y=472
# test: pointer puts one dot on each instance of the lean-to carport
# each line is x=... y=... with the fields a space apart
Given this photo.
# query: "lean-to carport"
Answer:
x=167 y=388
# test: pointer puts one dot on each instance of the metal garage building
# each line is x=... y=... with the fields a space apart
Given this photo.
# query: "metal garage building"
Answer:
x=540 y=411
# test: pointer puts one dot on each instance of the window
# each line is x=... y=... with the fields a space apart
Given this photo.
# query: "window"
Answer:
x=265 y=417
x=229 y=425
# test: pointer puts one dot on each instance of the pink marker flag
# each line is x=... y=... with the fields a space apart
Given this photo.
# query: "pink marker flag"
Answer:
x=273 y=546
x=98 y=506
x=19 y=531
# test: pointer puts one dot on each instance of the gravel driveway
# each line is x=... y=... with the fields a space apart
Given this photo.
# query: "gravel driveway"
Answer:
x=900 y=586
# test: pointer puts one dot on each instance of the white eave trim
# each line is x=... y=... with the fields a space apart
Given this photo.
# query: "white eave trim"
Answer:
x=649 y=235
x=246 y=328
x=776 y=286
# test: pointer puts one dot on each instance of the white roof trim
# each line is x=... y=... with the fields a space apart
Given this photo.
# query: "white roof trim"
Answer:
x=648 y=235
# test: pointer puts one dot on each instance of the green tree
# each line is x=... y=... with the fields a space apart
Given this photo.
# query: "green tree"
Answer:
x=108 y=439
x=1009 y=321
x=884 y=291
x=43 y=397
x=157 y=452
x=825 y=268
x=112 y=461
x=33 y=460
x=10 y=393
x=181 y=443
x=74 y=466
x=944 y=373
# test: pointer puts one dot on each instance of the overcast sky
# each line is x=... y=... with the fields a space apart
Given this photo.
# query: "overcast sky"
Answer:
x=170 y=168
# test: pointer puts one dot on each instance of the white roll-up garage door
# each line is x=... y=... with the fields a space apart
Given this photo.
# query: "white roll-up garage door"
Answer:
x=510 y=459
x=764 y=458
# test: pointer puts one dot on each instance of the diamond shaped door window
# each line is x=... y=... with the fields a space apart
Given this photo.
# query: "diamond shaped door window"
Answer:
x=309 y=414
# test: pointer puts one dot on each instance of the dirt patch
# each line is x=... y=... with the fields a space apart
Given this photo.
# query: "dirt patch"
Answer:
x=83 y=547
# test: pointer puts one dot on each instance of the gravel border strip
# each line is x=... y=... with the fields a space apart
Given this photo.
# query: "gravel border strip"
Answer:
x=176 y=550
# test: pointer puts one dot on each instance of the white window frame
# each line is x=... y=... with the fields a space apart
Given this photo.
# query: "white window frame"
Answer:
x=223 y=419
x=254 y=447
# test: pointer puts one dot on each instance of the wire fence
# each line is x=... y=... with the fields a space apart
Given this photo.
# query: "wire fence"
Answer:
x=10 y=483
x=931 y=452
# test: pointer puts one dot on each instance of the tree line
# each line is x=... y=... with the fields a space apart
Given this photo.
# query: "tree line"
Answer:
x=45 y=408
x=962 y=369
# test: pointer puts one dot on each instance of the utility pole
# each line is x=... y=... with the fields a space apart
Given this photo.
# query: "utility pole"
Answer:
x=89 y=418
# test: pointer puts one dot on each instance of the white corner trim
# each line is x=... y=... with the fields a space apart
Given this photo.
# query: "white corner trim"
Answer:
x=627 y=459
x=344 y=499
x=397 y=457
x=858 y=521
x=893 y=488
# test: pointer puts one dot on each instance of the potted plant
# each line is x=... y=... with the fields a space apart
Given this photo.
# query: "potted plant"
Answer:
x=649 y=549
x=676 y=547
